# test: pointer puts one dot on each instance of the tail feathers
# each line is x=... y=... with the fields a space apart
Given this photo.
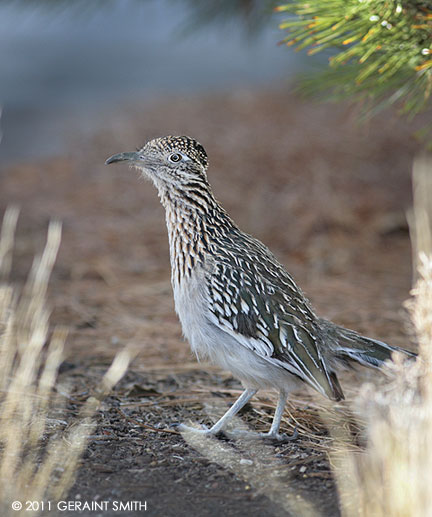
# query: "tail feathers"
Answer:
x=351 y=346
x=336 y=387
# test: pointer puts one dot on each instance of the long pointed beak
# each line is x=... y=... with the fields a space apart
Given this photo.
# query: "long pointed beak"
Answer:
x=123 y=157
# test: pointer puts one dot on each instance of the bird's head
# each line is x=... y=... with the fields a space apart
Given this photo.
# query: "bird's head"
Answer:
x=171 y=161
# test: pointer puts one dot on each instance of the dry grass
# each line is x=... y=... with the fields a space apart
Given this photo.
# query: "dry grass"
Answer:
x=392 y=477
x=421 y=216
x=39 y=450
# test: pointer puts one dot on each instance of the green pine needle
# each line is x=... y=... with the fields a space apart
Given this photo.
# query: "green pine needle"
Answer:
x=383 y=49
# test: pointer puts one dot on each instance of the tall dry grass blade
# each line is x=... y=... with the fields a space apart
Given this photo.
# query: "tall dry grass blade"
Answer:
x=420 y=217
x=10 y=219
x=7 y=323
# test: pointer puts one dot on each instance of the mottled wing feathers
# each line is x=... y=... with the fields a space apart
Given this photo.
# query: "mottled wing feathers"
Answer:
x=255 y=300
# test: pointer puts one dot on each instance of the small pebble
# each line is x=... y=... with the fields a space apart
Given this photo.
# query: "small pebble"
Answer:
x=246 y=462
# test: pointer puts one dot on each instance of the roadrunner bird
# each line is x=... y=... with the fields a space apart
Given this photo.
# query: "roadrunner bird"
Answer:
x=238 y=306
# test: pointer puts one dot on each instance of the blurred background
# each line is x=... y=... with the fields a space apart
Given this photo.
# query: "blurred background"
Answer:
x=81 y=81
x=68 y=66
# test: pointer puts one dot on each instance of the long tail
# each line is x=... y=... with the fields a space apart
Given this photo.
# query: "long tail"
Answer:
x=348 y=345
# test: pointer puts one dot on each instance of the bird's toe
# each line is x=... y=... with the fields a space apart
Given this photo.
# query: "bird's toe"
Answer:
x=241 y=433
x=280 y=437
x=203 y=430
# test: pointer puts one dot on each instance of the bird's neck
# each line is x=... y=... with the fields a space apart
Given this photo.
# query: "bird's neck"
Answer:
x=196 y=222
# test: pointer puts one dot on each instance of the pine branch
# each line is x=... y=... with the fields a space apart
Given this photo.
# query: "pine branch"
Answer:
x=382 y=49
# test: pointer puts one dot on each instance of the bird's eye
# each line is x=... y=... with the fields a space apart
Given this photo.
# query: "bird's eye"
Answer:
x=175 y=157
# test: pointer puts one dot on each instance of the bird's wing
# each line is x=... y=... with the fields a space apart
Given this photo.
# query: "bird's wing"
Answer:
x=271 y=318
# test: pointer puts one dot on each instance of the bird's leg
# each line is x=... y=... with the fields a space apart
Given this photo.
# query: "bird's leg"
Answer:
x=274 y=429
x=232 y=411
x=273 y=434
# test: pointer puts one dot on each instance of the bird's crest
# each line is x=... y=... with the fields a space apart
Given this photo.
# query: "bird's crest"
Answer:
x=193 y=149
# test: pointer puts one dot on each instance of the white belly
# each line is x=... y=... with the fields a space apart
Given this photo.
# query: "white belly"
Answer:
x=211 y=343
x=190 y=305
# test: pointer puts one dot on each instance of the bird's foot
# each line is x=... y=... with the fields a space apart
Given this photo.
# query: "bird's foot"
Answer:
x=203 y=430
x=238 y=433
x=270 y=435
x=280 y=437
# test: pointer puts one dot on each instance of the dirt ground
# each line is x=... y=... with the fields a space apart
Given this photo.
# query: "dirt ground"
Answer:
x=327 y=196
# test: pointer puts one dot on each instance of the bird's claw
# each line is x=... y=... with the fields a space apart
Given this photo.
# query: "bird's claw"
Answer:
x=285 y=437
x=251 y=435
x=280 y=437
